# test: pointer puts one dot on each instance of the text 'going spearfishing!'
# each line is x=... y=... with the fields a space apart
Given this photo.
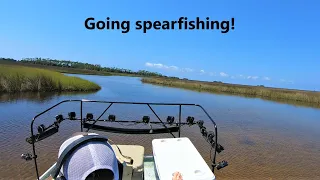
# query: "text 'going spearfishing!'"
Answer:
x=183 y=23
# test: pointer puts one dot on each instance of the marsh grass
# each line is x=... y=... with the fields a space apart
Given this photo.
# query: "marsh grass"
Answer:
x=22 y=79
x=253 y=91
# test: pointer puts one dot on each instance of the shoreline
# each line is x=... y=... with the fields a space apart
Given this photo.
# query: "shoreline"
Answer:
x=14 y=79
x=287 y=96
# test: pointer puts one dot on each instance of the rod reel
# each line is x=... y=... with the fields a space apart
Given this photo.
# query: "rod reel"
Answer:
x=210 y=136
x=72 y=115
x=27 y=156
x=146 y=119
x=170 y=120
x=112 y=117
x=44 y=132
x=221 y=165
x=190 y=120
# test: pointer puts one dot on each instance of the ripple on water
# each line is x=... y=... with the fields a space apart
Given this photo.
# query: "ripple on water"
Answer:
x=262 y=140
x=247 y=141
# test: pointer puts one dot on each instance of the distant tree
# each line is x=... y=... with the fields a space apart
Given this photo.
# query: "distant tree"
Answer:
x=217 y=81
x=80 y=65
x=7 y=59
x=173 y=77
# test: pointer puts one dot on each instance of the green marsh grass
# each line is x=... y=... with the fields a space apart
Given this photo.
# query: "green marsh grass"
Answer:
x=245 y=90
x=22 y=79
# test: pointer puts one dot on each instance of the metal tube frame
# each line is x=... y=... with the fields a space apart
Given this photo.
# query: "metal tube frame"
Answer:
x=115 y=102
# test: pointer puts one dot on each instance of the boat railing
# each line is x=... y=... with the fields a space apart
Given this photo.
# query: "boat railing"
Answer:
x=85 y=123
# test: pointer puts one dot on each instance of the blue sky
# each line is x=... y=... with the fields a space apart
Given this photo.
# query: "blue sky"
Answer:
x=275 y=42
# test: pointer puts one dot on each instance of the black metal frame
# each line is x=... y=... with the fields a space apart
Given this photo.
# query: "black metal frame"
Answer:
x=83 y=123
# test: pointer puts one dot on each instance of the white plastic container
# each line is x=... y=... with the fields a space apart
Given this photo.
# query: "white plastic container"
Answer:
x=179 y=154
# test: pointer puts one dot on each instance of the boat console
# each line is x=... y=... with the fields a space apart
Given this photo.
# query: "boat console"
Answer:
x=169 y=154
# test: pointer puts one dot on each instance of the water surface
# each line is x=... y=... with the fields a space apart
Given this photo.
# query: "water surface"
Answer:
x=262 y=139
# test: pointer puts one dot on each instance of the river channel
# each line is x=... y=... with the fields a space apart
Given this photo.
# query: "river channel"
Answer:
x=262 y=139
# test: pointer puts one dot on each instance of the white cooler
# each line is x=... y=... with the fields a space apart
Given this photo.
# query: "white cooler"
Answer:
x=179 y=154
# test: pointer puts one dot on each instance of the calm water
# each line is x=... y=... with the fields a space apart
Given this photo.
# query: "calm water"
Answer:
x=262 y=139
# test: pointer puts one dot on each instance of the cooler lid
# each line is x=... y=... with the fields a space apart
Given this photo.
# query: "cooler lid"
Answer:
x=179 y=154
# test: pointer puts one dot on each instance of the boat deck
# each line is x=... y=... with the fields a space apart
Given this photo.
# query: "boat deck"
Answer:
x=150 y=172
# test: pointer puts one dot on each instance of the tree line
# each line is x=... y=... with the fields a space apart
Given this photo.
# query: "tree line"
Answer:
x=80 y=65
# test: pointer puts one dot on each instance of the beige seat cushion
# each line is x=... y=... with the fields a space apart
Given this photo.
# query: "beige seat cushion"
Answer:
x=134 y=151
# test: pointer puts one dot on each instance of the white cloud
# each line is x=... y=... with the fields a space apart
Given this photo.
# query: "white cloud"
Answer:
x=267 y=78
x=253 y=77
x=285 y=81
x=186 y=70
x=162 y=66
x=174 y=67
x=149 y=64
x=157 y=65
x=223 y=74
